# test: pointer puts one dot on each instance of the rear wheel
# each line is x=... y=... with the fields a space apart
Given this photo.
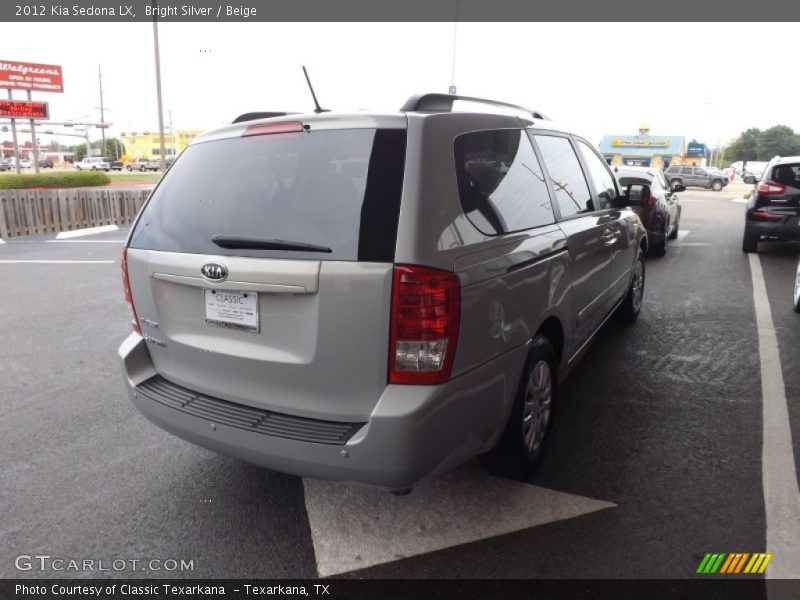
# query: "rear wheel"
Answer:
x=749 y=242
x=632 y=304
x=675 y=182
x=716 y=185
x=524 y=441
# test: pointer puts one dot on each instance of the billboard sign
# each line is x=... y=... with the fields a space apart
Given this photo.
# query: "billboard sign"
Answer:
x=16 y=109
x=696 y=149
x=16 y=75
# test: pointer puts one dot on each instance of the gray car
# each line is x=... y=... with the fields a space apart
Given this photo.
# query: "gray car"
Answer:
x=696 y=177
x=376 y=298
x=773 y=210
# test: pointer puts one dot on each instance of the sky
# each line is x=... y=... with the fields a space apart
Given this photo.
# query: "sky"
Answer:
x=596 y=78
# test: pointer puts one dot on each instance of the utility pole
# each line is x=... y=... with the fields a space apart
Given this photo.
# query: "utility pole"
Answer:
x=14 y=135
x=172 y=135
x=102 y=111
x=34 y=141
x=158 y=93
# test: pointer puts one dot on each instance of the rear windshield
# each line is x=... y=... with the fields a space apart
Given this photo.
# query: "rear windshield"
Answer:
x=336 y=189
x=625 y=180
x=788 y=174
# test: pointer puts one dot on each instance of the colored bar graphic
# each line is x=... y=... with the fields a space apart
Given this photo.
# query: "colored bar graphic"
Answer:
x=720 y=562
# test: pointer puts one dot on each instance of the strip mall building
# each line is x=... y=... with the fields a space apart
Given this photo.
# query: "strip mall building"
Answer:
x=148 y=145
x=646 y=150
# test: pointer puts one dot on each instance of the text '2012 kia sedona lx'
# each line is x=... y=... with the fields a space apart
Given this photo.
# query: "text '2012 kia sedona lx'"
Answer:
x=375 y=298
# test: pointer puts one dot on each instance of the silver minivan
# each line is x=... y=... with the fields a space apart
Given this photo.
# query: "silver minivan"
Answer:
x=376 y=298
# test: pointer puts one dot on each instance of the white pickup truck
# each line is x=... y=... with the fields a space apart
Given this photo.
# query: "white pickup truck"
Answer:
x=144 y=164
x=93 y=164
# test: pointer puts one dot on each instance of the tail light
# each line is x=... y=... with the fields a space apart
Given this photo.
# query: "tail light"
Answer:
x=126 y=285
x=768 y=188
x=273 y=128
x=766 y=215
x=426 y=314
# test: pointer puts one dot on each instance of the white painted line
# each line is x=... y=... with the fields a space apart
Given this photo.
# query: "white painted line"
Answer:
x=57 y=262
x=739 y=200
x=64 y=235
x=354 y=528
x=682 y=234
x=781 y=494
x=693 y=244
x=2 y=241
x=84 y=241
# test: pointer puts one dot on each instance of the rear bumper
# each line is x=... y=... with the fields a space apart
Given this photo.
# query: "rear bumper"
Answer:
x=790 y=230
x=414 y=432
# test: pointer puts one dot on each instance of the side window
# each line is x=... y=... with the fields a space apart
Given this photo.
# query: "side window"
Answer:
x=700 y=172
x=603 y=181
x=686 y=170
x=500 y=182
x=572 y=192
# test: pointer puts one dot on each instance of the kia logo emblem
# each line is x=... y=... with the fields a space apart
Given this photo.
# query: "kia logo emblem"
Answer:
x=214 y=271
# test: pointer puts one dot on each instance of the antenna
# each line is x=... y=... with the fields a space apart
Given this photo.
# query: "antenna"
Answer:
x=318 y=108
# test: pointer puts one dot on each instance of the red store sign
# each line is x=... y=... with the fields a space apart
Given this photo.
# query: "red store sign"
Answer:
x=17 y=75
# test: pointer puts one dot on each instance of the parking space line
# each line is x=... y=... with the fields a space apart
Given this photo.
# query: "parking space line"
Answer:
x=86 y=231
x=463 y=506
x=57 y=262
x=682 y=233
x=84 y=241
x=781 y=493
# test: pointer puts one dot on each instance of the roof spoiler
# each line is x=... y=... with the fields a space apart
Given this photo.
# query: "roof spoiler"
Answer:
x=435 y=102
x=252 y=116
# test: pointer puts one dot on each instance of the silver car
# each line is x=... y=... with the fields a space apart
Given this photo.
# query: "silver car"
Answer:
x=376 y=298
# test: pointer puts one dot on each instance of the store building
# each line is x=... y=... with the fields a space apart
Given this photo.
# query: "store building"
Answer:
x=645 y=150
x=148 y=145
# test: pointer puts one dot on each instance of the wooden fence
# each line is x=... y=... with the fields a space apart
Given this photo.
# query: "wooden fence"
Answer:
x=29 y=212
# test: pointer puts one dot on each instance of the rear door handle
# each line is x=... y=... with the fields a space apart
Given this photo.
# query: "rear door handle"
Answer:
x=609 y=237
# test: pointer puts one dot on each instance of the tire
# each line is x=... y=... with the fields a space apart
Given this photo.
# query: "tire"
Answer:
x=749 y=242
x=632 y=304
x=797 y=291
x=658 y=247
x=716 y=185
x=674 y=234
x=673 y=182
x=525 y=438
x=142 y=169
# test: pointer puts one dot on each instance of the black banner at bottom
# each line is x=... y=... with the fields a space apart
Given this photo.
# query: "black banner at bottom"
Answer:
x=390 y=589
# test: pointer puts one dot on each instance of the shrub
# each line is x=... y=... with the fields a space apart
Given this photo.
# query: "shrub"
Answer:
x=53 y=180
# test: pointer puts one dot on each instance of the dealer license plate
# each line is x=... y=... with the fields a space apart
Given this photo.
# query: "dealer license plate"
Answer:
x=236 y=310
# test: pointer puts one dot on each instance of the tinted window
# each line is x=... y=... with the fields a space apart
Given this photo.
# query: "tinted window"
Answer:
x=787 y=174
x=339 y=189
x=572 y=192
x=500 y=182
x=700 y=172
x=603 y=181
x=686 y=171
x=638 y=178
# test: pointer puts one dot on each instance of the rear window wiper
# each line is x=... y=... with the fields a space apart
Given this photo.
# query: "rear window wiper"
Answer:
x=244 y=242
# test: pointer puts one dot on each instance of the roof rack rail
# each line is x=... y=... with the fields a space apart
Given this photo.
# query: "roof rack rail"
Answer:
x=251 y=116
x=436 y=102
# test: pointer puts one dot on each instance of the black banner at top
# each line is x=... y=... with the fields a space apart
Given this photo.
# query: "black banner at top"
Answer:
x=399 y=10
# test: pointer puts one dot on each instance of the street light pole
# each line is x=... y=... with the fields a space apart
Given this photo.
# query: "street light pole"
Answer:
x=158 y=93
x=102 y=111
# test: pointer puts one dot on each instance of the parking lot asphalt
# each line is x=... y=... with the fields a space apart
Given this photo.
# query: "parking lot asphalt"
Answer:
x=657 y=455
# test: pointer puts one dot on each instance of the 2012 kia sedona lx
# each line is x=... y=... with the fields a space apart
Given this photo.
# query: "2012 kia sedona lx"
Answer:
x=376 y=298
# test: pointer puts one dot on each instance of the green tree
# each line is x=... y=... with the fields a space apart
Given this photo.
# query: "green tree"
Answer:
x=745 y=147
x=780 y=140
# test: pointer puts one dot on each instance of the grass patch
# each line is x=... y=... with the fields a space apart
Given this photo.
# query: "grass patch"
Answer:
x=53 y=180
x=134 y=178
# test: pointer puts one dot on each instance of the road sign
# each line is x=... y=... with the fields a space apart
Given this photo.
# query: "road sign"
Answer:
x=18 y=109
x=18 y=75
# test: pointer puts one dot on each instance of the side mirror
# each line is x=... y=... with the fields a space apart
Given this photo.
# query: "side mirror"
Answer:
x=637 y=194
x=678 y=187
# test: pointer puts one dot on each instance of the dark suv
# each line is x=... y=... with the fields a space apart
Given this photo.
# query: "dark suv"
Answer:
x=773 y=210
x=696 y=176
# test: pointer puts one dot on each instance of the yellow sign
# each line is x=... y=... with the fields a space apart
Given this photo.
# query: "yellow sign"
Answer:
x=640 y=143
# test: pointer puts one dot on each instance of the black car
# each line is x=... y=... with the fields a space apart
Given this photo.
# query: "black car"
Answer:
x=773 y=210
x=45 y=163
x=116 y=165
x=660 y=210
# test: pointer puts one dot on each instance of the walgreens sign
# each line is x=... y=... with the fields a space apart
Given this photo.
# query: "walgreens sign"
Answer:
x=17 y=75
